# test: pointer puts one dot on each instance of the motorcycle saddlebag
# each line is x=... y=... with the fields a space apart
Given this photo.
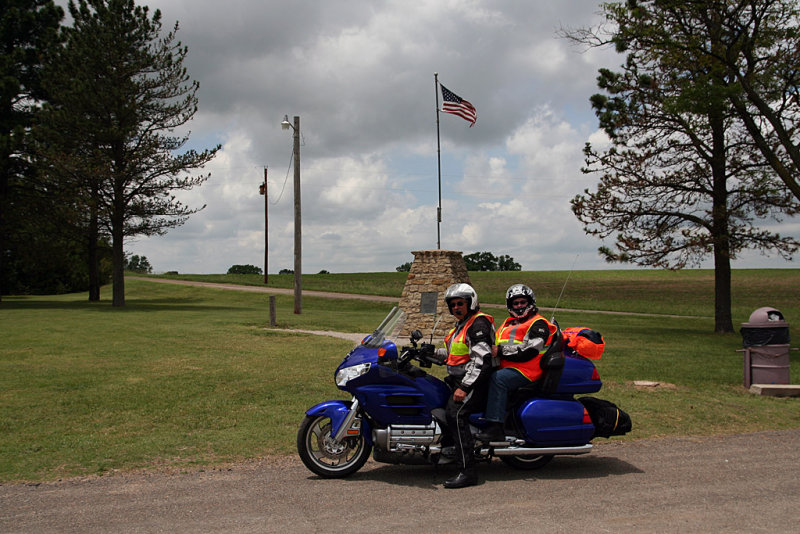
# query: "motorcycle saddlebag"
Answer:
x=608 y=420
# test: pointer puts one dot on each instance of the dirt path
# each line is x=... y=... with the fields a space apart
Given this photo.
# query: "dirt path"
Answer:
x=356 y=296
x=745 y=483
x=260 y=289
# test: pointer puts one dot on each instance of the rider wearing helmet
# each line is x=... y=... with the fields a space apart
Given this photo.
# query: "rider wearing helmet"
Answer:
x=521 y=340
x=468 y=355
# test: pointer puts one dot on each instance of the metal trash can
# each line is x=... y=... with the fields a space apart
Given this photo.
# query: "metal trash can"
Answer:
x=765 y=338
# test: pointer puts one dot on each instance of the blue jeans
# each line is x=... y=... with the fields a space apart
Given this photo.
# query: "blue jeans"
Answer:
x=502 y=384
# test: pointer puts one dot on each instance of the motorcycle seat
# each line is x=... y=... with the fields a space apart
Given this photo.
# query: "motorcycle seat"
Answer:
x=552 y=365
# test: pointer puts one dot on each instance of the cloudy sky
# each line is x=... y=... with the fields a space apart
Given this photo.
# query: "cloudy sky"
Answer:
x=360 y=75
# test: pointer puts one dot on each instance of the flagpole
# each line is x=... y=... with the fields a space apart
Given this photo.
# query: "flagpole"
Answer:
x=439 y=164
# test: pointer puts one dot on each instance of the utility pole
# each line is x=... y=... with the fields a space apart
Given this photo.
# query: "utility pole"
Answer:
x=298 y=292
x=262 y=189
x=298 y=281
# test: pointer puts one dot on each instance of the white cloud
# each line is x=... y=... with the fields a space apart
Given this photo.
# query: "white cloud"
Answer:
x=360 y=75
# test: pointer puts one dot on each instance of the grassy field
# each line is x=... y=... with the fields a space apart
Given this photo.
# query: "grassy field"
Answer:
x=185 y=377
x=687 y=292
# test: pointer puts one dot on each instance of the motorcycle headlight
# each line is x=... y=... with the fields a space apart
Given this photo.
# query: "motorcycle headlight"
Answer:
x=343 y=376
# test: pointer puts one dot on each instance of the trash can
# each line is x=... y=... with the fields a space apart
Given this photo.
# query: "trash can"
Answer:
x=765 y=338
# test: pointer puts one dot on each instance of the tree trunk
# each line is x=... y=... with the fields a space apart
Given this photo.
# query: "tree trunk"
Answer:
x=94 y=267
x=94 y=260
x=118 y=255
x=720 y=223
x=2 y=256
x=118 y=274
x=723 y=322
x=3 y=196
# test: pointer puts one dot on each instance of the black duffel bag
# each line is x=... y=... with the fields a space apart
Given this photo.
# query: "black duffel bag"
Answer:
x=607 y=418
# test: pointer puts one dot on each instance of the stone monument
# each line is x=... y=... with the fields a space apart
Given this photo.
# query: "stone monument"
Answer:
x=432 y=272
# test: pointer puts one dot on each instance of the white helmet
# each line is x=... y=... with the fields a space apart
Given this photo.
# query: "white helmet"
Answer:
x=520 y=290
x=462 y=291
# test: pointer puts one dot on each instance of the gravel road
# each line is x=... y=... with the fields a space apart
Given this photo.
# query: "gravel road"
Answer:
x=743 y=483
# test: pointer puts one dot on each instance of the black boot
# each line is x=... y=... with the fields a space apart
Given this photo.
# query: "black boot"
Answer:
x=465 y=478
x=493 y=432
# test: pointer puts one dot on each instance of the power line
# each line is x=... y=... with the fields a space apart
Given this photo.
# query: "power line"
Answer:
x=286 y=179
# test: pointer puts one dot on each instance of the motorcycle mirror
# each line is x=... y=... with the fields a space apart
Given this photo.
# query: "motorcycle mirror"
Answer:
x=416 y=335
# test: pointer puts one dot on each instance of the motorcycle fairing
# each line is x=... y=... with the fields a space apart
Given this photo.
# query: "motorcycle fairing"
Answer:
x=337 y=410
x=390 y=396
x=407 y=403
x=363 y=354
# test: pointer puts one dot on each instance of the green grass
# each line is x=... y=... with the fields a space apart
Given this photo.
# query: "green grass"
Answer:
x=686 y=292
x=184 y=377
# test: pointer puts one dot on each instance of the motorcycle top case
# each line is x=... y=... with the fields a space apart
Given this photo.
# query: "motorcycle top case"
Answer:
x=579 y=375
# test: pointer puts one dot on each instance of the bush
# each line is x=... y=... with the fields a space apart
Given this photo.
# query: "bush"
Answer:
x=245 y=269
x=486 y=261
x=138 y=264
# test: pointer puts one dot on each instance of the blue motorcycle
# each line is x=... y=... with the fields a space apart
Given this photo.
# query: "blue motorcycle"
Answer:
x=397 y=411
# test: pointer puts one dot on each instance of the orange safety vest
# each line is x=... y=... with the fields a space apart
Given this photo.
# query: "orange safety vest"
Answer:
x=458 y=350
x=515 y=333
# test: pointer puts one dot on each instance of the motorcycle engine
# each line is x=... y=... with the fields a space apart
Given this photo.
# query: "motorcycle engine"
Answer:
x=407 y=439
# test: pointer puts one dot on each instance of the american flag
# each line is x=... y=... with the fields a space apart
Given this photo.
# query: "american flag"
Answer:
x=452 y=103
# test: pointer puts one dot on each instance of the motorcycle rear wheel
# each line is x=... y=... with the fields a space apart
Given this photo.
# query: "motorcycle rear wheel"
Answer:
x=324 y=456
x=527 y=462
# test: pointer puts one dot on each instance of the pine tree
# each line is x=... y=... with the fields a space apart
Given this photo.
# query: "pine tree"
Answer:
x=122 y=92
x=27 y=28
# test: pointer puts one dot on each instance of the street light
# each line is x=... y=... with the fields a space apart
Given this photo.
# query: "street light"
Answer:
x=298 y=292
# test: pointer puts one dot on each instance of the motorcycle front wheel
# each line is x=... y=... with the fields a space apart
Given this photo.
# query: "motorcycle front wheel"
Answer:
x=325 y=457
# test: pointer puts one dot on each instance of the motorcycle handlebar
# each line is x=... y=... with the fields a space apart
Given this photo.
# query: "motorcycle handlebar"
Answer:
x=425 y=355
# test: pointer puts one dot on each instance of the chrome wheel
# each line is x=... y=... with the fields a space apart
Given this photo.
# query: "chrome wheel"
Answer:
x=326 y=457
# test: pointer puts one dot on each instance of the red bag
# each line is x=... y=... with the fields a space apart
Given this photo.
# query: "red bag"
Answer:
x=584 y=342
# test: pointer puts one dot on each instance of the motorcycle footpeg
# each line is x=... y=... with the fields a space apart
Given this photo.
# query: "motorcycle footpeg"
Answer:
x=497 y=442
x=448 y=452
x=444 y=460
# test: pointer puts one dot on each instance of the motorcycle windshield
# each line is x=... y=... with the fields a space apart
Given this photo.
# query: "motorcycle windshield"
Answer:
x=385 y=329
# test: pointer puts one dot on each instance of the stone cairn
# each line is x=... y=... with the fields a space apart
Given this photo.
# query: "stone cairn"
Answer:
x=432 y=272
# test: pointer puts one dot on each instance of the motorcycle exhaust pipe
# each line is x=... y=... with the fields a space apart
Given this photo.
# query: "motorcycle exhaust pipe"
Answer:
x=537 y=451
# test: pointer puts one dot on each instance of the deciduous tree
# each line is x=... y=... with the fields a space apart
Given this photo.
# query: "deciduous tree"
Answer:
x=138 y=264
x=760 y=52
x=683 y=178
x=244 y=269
x=486 y=261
